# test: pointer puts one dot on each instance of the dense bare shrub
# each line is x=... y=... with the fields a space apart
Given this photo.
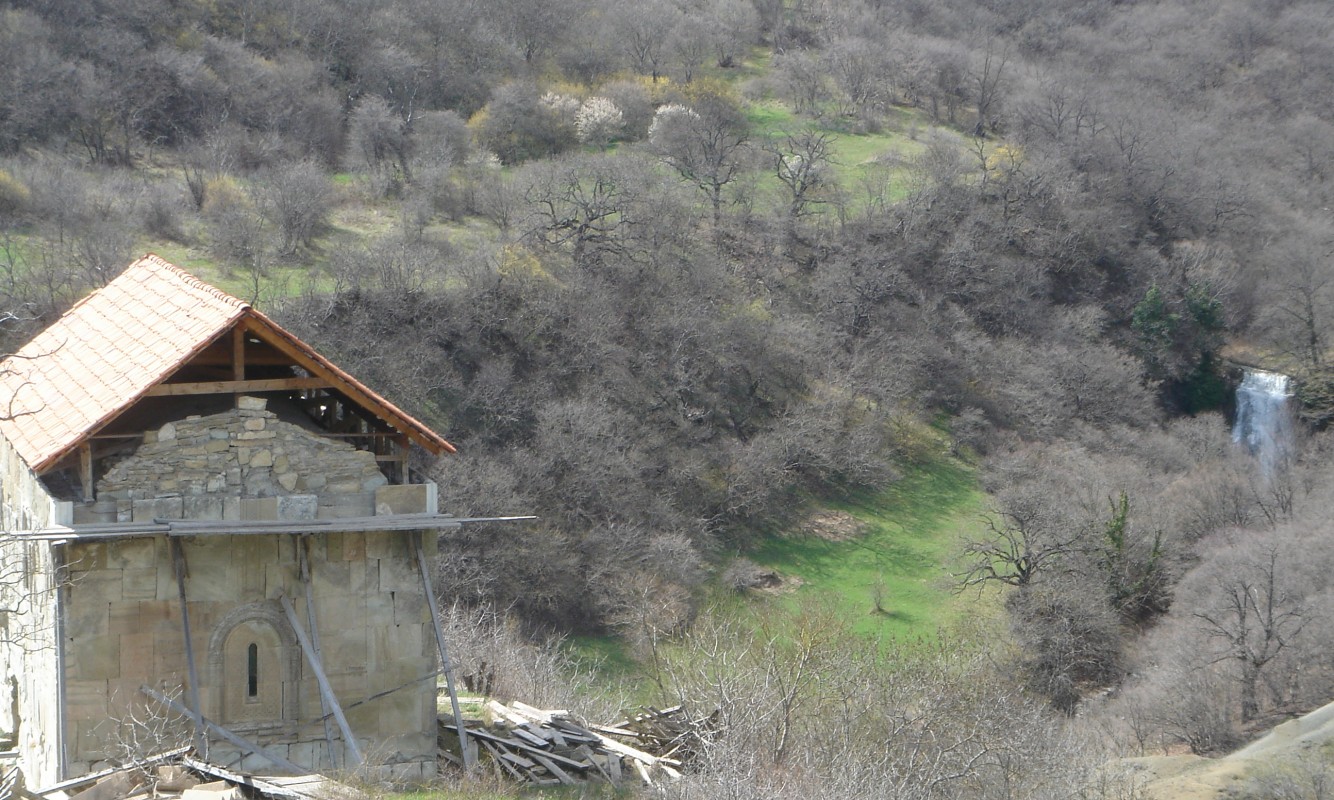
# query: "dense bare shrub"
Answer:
x=492 y=656
x=635 y=103
x=521 y=123
x=296 y=199
x=161 y=208
x=440 y=139
x=238 y=234
x=378 y=138
x=13 y=196
x=1308 y=776
x=808 y=714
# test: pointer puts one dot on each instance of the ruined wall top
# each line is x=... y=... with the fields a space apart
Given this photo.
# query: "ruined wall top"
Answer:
x=219 y=466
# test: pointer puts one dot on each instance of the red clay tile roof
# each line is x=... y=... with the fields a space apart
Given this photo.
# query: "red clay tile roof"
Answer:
x=113 y=346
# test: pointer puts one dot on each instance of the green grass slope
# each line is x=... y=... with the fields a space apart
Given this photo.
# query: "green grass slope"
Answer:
x=894 y=578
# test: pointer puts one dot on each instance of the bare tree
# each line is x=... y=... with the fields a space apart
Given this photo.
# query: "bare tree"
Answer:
x=703 y=143
x=296 y=199
x=379 y=137
x=1027 y=541
x=1255 y=616
x=642 y=29
x=803 y=161
x=583 y=201
x=987 y=81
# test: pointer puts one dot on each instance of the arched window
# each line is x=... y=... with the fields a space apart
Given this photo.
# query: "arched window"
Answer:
x=254 y=663
x=252 y=672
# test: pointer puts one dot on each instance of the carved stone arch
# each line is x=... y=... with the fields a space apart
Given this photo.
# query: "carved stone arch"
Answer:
x=255 y=664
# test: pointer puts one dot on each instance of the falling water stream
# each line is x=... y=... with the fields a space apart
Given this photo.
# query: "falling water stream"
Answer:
x=1264 y=417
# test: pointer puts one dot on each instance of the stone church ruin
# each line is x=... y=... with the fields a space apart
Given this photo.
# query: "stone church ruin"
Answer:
x=198 y=506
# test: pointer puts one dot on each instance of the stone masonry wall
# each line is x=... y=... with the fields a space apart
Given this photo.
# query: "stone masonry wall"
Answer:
x=123 y=629
x=123 y=625
x=204 y=467
x=28 y=654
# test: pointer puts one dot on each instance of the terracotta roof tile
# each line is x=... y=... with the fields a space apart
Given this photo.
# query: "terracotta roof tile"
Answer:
x=104 y=353
x=119 y=342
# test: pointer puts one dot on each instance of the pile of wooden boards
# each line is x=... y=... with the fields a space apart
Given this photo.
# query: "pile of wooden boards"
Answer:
x=547 y=747
x=668 y=733
x=175 y=775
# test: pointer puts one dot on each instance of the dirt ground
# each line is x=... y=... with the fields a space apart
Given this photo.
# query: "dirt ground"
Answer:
x=1187 y=777
x=833 y=526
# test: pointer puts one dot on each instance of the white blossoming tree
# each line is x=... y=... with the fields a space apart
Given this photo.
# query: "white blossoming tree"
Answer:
x=598 y=121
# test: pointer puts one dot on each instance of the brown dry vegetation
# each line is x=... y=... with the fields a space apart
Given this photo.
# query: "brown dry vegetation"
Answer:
x=670 y=333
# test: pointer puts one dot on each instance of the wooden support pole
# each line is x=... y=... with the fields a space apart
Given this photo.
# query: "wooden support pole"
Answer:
x=86 y=476
x=238 y=360
x=303 y=557
x=245 y=744
x=238 y=353
x=404 y=453
x=326 y=691
x=447 y=666
x=178 y=563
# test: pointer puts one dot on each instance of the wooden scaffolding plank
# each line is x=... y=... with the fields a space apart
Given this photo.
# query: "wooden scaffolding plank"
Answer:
x=469 y=756
x=245 y=744
x=178 y=564
x=326 y=691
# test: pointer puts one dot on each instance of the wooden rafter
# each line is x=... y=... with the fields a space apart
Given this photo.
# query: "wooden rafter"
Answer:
x=361 y=397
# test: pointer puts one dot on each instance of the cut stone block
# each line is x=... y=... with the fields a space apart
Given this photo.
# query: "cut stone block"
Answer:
x=175 y=778
x=86 y=699
x=218 y=790
x=259 y=508
x=89 y=515
x=131 y=553
x=207 y=507
x=139 y=584
x=114 y=787
x=157 y=508
x=342 y=506
x=414 y=498
x=297 y=506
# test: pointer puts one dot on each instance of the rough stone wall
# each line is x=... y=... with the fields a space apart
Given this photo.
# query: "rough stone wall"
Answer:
x=29 y=658
x=202 y=467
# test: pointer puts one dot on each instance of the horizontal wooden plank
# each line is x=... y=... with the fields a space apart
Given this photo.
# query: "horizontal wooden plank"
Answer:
x=235 y=387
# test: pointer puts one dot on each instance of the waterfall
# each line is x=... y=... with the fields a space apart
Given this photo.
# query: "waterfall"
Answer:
x=1264 y=419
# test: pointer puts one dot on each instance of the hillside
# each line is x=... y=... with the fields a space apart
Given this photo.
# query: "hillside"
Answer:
x=680 y=278
x=1294 y=756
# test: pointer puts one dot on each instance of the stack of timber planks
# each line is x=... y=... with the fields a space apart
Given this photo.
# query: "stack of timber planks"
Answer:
x=175 y=775
x=549 y=748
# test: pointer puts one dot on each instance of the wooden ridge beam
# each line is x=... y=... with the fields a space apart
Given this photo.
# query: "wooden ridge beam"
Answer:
x=238 y=387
